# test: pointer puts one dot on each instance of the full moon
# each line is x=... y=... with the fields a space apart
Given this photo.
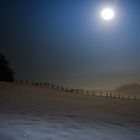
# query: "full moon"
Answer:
x=107 y=14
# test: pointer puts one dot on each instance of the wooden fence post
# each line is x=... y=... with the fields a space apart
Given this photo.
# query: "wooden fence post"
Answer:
x=57 y=87
x=81 y=92
x=27 y=82
x=52 y=86
x=77 y=91
x=110 y=95
x=100 y=93
x=66 y=89
x=106 y=95
x=119 y=96
x=40 y=83
x=93 y=93
x=62 y=88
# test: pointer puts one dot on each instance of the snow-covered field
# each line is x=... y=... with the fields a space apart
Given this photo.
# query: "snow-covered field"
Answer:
x=31 y=113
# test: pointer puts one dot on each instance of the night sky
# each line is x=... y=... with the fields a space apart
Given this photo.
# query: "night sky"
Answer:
x=66 y=41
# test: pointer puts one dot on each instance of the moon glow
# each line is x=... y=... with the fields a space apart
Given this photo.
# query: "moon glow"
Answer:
x=107 y=14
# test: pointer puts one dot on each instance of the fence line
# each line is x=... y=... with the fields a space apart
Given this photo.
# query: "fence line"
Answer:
x=75 y=92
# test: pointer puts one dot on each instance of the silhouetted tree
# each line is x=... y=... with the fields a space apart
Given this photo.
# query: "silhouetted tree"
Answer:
x=6 y=72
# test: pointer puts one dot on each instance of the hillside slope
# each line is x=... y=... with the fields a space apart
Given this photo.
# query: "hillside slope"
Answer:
x=129 y=89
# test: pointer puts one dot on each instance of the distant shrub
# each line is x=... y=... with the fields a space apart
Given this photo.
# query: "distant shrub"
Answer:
x=6 y=72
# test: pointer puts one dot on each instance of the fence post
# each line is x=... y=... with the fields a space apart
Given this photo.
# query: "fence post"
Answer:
x=48 y=85
x=66 y=89
x=40 y=83
x=77 y=91
x=119 y=96
x=106 y=95
x=71 y=90
x=36 y=83
x=93 y=93
x=27 y=82
x=57 y=87
x=62 y=88
x=100 y=93
x=110 y=95
x=44 y=84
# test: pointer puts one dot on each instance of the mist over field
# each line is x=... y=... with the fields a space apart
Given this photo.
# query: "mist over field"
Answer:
x=129 y=90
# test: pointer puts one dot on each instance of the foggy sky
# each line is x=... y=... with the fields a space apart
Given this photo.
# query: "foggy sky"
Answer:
x=66 y=41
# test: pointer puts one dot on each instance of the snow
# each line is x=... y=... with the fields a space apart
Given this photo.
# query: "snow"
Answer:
x=31 y=113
